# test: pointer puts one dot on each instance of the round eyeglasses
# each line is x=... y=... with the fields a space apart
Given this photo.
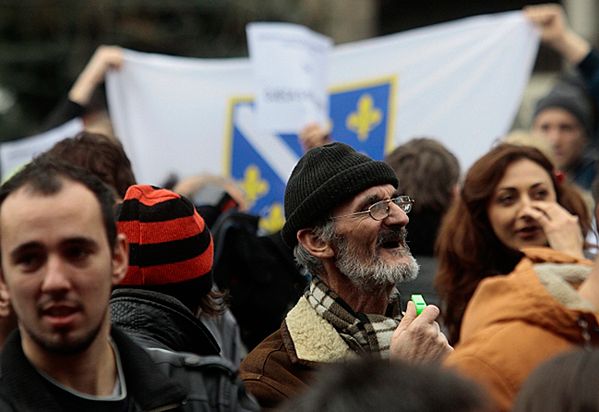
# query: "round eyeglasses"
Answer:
x=380 y=210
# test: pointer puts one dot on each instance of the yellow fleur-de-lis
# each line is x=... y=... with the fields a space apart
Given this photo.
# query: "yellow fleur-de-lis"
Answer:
x=253 y=185
x=275 y=219
x=365 y=118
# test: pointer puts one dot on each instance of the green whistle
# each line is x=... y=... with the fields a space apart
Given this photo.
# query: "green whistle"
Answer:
x=419 y=302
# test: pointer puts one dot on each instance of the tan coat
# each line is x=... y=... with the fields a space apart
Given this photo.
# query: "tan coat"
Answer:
x=282 y=365
x=515 y=322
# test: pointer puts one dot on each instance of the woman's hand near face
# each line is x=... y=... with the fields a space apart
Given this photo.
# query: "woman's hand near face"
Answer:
x=560 y=226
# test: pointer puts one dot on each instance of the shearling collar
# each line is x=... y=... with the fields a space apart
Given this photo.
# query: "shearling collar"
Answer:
x=561 y=280
x=560 y=274
x=311 y=338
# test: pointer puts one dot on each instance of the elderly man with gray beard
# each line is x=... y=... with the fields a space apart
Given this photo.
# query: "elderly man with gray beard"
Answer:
x=346 y=224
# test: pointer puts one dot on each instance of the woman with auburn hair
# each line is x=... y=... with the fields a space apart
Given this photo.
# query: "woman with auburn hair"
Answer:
x=511 y=198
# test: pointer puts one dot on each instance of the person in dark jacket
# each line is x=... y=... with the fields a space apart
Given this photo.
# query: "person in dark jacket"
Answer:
x=61 y=256
x=170 y=274
x=566 y=116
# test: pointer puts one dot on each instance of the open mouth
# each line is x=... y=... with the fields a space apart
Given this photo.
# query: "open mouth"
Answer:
x=391 y=244
x=60 y=315
x=59 y=311
x=392 y=239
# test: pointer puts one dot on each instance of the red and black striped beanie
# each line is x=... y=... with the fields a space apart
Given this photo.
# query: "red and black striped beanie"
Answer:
x=168 y=240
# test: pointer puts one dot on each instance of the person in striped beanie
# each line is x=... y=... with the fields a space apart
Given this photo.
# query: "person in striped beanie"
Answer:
x=169 y=242
x=169 y=281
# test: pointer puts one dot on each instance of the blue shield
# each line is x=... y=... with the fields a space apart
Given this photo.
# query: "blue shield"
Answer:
x=361 y=116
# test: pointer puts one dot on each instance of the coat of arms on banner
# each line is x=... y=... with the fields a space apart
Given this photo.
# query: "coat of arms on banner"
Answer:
x=361 y=116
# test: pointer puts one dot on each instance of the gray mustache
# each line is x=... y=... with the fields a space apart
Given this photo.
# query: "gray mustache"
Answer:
x=390 y=235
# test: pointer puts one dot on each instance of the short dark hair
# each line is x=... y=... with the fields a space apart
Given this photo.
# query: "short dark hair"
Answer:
x=374 y=384
x=100 y=155
x=427 y=171
x=46 y=176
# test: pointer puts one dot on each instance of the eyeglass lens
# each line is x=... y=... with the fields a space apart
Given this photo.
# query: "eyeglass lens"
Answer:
x=404 y=202
x=380 y=210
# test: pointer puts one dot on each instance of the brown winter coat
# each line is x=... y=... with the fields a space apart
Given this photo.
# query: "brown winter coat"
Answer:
x=515 y=322
x=282 y=365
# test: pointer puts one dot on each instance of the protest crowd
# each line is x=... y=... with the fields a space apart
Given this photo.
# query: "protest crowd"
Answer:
x=118 y=295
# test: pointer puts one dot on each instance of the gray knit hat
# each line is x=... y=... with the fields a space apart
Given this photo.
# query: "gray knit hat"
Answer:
x=571 y=100
x=324 y=178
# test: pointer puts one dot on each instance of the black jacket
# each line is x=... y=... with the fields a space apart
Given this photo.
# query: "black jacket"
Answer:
x=156 y=320
x=156 y=380
x=182 y=347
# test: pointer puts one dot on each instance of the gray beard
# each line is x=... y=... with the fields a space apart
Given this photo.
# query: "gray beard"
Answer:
x=372 y=273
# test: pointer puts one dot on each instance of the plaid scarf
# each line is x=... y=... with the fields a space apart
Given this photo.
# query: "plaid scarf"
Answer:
x=362 y=332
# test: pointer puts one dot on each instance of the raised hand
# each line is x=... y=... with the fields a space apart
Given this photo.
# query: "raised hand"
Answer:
x=551 y=21
x=104 y=58
x=561 y=228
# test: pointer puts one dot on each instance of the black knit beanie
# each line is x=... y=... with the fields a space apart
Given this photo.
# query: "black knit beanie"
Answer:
x=571 y=100
x=324 y=178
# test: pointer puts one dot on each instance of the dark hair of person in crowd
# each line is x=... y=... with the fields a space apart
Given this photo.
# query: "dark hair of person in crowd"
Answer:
x=429 y=173
x=467 y=248
x=377 y=385
x=45 y=176
x=100 y=155
x=567 y=382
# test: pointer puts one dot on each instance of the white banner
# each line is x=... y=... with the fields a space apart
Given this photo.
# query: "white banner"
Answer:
x=460 y=82
x=290 y=68
x=17 y=153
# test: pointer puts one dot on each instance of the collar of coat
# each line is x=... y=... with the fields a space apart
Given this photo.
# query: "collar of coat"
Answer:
x=156 y=319
x=560 y=274
x=310 y=338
